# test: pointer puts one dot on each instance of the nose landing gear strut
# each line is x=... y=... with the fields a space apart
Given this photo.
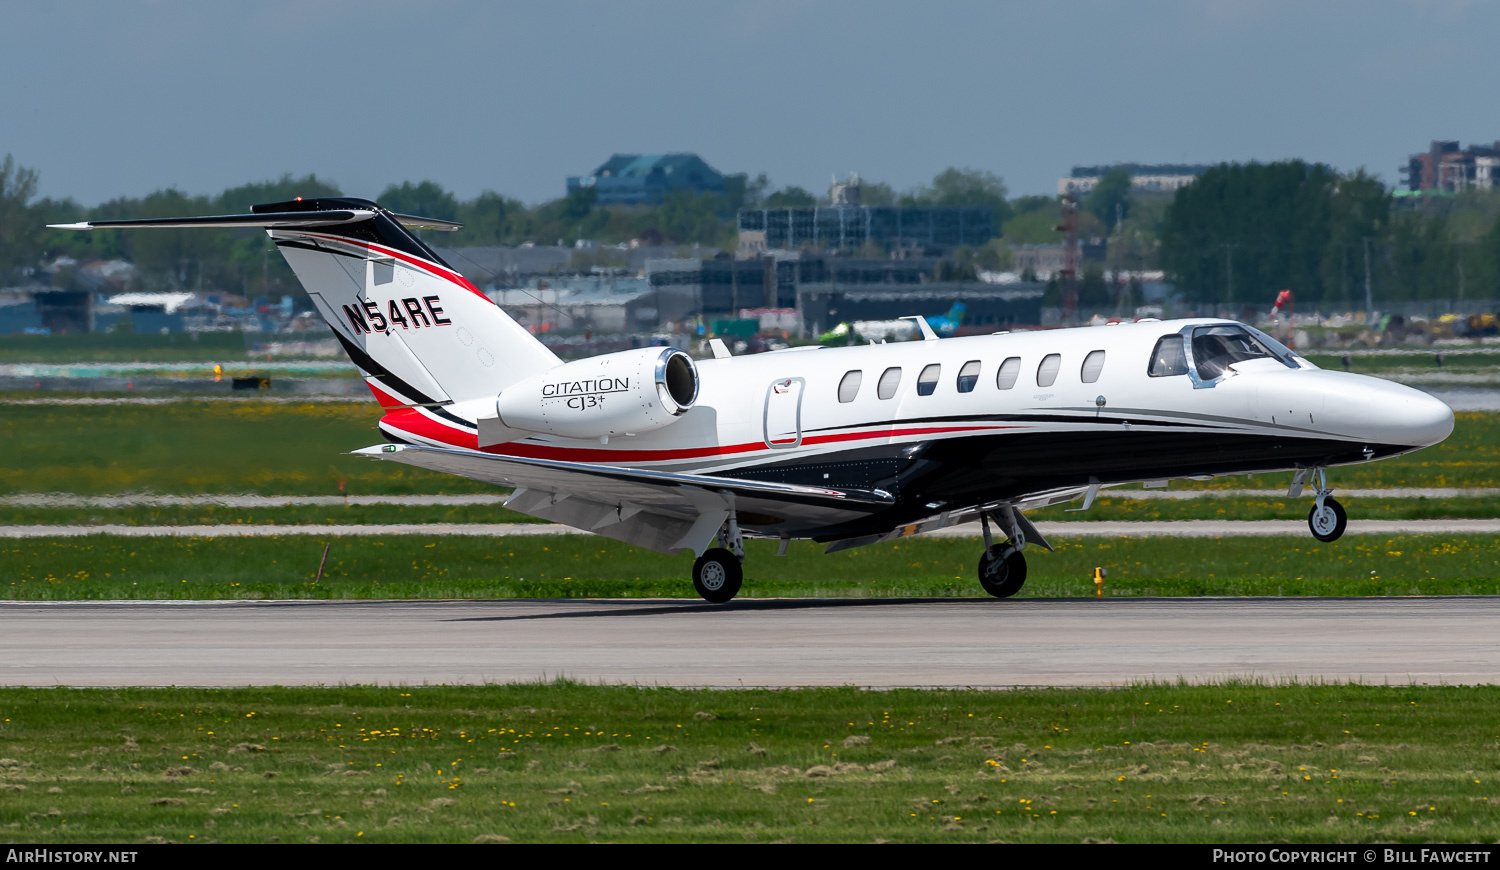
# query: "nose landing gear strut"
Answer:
x=1327 y=519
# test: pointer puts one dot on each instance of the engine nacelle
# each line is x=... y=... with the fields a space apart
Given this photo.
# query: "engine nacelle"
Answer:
x=614 y=394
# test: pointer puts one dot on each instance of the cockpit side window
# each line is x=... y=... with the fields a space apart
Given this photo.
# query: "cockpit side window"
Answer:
x=1216 y=348
x=1168 y=358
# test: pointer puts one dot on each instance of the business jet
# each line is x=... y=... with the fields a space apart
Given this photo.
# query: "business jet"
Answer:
x=846 y=446
x=900 y=329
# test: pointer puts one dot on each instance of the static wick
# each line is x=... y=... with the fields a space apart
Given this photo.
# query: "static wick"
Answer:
x=1099 y=575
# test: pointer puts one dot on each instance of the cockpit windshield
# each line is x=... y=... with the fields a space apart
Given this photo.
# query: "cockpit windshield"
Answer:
x=1216 y=348
x=1282 y=352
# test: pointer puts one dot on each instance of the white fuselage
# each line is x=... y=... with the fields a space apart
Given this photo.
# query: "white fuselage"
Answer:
x=784 y=407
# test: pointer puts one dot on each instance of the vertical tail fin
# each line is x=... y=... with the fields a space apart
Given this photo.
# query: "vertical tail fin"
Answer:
x=420 y=332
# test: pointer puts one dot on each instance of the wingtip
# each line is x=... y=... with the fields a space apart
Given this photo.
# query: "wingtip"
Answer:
x=376 y=451
x=81 y=225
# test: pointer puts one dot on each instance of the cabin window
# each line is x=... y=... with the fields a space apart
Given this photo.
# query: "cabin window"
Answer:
x=849 y=386
x=927 y=380
x=1168 y=358
x=1005 y=378
x=1046 y=373
x=968 y=376
x=1216 y=348
x=1093 y=364
x=889 y=381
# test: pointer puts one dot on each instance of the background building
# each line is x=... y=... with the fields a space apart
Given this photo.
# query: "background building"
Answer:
x=851 y=227
x=828 y=290
x=1144 y=177
x=646 y=179
x=1445 y=168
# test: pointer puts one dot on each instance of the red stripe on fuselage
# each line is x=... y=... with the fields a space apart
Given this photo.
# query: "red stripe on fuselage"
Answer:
x=414 y=422
x=385 y=399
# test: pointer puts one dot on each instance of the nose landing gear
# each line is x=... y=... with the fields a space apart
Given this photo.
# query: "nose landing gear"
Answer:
x=1002 y=568
x=1327 y=519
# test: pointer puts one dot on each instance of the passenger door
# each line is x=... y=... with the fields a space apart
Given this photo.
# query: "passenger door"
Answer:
x=784 y=413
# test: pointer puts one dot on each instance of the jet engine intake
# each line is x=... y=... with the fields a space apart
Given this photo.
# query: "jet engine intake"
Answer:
x=615 y=394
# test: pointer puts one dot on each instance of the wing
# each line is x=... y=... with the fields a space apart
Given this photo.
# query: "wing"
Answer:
x=658 y=510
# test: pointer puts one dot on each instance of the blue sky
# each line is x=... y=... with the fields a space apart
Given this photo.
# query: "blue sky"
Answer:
x=120 y=98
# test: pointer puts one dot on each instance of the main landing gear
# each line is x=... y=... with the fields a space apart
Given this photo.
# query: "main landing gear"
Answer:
x=1002 y=568
x=717 y=574
x=1327 y=519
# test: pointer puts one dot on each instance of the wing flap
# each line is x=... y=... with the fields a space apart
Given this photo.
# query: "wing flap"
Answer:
x=622 y=521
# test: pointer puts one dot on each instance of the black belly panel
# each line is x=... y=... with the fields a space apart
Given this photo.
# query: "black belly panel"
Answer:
x=957 y=473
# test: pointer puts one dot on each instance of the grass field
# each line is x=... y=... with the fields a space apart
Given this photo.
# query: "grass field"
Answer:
x=1119 y=509
x=1419 y=361
x=204 y=447
x=410 y=567
x=571 y=763
x=300 y=449
x=115 y=347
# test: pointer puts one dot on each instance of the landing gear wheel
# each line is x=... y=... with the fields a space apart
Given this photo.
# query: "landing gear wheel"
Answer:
x=1327 y=523
x=717 y=575
x=1002 y=571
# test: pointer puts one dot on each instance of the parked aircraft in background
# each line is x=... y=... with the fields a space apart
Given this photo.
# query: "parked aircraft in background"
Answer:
x=947 y=324
x=847 y=446
x=900 y=329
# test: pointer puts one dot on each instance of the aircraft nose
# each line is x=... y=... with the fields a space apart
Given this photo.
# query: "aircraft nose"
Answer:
x=1382 y=411
x=1422 y=419
x=1399 y=414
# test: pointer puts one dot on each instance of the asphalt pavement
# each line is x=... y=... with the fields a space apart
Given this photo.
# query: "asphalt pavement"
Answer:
x=876 y=643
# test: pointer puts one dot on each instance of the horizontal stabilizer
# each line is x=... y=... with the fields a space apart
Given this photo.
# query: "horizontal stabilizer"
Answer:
x=412 y=222
x=267 y=220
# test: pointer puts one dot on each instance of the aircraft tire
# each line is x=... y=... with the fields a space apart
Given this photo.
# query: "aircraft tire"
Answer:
x=1002 y=571
x=1329 y=524
x=717 y=575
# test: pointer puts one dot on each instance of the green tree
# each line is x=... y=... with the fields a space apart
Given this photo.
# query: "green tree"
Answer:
x=489 y=219
x=1359 y=211
x=964 y=187
x=1033 y=228
x=1034 y=202
x=876 y=193
x=19 y=224
x=424 y=199
x=238 y=200
x=689 y=217
x=1095 y=296
x=1243 y=231
x=791 y=197
x=1110 y=199
x=1418 y=261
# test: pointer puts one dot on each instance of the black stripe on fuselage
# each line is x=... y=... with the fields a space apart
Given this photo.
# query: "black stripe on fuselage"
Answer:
x=370 y=367
x=457 y=421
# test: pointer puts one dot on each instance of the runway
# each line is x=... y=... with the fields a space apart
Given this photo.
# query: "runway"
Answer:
x=778 y=642
x=1061 y=531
